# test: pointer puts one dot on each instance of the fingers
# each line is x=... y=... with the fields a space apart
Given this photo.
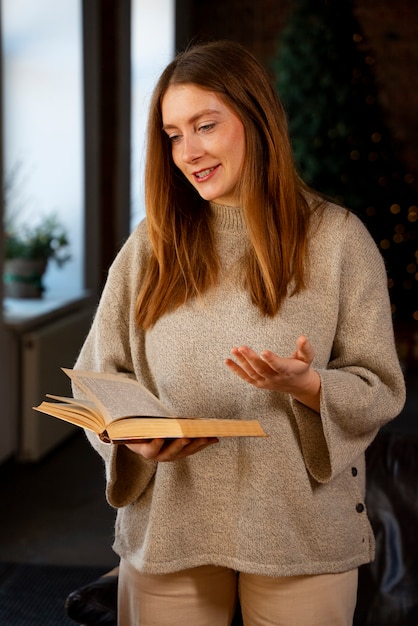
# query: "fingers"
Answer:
x=249 y=366
x=177 y=449
x=164 y=450
x=268 y=370
x=304 y=350
x=149 y=449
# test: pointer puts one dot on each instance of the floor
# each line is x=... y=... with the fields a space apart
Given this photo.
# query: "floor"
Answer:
x=55 y=511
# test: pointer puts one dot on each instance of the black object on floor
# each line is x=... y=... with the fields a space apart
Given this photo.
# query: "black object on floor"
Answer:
x=95 y=603
x=34 y=595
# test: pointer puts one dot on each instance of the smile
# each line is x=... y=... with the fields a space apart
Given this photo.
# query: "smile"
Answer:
x=204 y=173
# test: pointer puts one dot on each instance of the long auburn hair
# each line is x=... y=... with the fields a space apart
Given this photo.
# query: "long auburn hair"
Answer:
x=183 y=261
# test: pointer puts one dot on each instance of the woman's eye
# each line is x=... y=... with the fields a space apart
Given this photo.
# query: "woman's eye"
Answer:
x=174 y=138
x=205 y=128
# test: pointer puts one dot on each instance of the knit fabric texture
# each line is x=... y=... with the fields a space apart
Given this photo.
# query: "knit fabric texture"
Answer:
x=289 y=504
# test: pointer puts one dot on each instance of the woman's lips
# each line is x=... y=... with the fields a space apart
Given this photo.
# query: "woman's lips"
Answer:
x=203 y=175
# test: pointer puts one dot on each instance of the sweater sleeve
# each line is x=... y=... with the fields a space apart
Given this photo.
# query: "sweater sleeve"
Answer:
x=107 y=348
x=363 y=387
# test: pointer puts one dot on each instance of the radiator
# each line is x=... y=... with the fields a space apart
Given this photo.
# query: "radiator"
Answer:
x=44 y=352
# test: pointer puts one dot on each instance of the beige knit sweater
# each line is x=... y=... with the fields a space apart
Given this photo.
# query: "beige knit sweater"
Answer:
x=289 y=504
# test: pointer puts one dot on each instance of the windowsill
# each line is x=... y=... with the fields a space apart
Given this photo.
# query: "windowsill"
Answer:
x=21 y=314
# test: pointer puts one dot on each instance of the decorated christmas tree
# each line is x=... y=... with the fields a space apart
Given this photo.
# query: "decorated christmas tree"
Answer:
x=342 y=146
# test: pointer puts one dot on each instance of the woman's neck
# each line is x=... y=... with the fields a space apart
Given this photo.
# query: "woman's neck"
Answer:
x=227 y=217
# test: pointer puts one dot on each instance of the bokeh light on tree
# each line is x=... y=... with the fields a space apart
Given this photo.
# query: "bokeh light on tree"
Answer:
x=324 y=75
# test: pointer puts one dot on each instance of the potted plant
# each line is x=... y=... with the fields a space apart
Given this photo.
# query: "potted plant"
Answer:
x=28 y=244
x=27 y=251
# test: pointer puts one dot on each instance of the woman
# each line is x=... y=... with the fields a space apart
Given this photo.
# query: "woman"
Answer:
x=243 y=295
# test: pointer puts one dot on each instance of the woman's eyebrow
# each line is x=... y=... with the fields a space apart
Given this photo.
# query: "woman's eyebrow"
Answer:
x=194 y=118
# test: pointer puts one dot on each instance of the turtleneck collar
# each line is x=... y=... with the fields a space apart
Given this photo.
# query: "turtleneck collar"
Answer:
x=227 y=217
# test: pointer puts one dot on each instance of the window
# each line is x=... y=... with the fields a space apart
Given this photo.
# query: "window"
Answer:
x=43 y=120
x=153 y=34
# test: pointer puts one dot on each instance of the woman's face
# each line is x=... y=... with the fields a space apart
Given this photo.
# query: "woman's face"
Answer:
x=207 y=139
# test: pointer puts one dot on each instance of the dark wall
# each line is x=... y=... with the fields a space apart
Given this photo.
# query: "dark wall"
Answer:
x=107 y=97
x=391 y=34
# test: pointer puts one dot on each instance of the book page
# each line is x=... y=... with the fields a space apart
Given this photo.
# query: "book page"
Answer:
x=78 y=414
x=116 y=395
x=133 y=429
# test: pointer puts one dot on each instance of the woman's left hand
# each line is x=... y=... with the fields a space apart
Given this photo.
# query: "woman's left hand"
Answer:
x=293 y=374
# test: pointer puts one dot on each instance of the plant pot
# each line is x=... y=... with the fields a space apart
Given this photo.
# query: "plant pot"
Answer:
x=22 y=278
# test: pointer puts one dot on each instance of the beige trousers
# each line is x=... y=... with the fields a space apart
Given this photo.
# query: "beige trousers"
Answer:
x=206 y=596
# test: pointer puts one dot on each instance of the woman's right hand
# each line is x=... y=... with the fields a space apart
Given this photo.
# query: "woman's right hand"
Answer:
x=164 y=450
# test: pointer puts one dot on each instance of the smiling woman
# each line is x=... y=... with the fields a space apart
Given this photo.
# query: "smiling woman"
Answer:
x=208 y=141
x=243 y=294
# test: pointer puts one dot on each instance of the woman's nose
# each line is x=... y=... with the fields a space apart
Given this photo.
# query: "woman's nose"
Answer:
x=192 y=148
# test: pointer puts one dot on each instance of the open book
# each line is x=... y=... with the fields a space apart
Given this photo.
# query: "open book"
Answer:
x=120 y=410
